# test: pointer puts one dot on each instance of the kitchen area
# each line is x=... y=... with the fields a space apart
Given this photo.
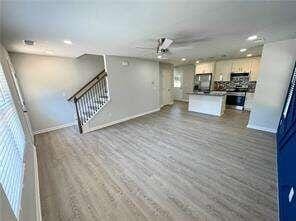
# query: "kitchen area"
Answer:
x=223 y=84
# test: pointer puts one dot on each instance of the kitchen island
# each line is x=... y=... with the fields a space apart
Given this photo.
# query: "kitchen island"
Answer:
x=212 y=103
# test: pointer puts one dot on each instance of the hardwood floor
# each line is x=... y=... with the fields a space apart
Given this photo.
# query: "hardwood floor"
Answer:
x=169 y=165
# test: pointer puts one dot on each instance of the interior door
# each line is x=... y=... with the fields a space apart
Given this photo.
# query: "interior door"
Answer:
x=167 y=84
x=178 y=83
x=286 y=157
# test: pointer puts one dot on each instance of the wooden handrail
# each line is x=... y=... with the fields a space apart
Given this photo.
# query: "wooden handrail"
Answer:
x=99 y=78
x=96 y=77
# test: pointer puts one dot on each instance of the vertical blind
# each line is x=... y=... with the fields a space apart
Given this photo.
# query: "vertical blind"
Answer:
x=12 y=145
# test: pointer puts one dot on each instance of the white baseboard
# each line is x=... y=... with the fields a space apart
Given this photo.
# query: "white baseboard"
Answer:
x=120 y=121
x=262 y=128
x=171 y=103
x=53 y=128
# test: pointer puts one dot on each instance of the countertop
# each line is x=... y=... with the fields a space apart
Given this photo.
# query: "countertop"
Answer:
x=212 y=93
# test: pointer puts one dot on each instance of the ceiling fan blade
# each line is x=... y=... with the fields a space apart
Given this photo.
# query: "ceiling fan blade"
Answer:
x=146 y=48
x=181 y=47
x=165 y=43
x=191 y=41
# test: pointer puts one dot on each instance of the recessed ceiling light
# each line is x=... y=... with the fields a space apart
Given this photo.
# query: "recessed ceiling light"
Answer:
x=252 y=38
x=243 y=50
x=159 y=56
x=183 y=59
x=249 y=55
x=197 y=62
x=68 y=42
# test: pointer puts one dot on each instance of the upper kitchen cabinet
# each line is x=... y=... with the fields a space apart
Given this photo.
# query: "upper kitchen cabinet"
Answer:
x=241 y=66
x=222 y=71
x=254 y=73
x=203 y=68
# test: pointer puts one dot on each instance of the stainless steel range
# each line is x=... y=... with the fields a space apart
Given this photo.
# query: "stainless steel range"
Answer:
x=235 y=100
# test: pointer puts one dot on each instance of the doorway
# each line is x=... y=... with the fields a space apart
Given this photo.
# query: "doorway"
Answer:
x=166 y=74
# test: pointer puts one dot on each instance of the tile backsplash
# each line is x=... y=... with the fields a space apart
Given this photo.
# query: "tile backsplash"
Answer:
x=228 y=85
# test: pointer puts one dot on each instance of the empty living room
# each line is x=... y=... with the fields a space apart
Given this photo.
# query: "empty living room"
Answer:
x=149 y=110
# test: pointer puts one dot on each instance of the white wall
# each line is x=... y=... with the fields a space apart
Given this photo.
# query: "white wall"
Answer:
x=47 y=82
x=187 y=72
x=134 y=90
x=276 y=67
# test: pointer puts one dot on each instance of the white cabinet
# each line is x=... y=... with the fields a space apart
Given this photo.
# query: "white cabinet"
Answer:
x=205 y=68
x=249 y=101
x=255 y=65
x=222 y=71
x=241 y=66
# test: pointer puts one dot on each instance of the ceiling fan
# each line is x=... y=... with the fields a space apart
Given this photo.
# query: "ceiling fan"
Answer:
x=163 y=44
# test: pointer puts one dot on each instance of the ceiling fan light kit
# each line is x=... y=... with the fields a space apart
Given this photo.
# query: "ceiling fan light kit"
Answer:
x=166 y=46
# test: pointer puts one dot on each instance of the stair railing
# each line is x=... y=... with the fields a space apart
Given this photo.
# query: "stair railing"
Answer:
x=90 y=99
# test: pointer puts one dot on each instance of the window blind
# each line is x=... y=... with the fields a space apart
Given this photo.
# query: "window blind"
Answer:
x=12 y=145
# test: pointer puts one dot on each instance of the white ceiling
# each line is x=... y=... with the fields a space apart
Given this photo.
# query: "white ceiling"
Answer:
x=117 y=28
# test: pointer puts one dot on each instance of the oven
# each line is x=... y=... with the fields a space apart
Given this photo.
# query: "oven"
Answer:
x=235 y=100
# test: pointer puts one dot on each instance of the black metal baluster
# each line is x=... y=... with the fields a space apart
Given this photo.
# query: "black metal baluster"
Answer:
x=88 y=103
x=79 y=109
x=93 y=100
x=78 y=117
x=97 y=96
x=104 y=89
x=101 y=94
x=83 y=107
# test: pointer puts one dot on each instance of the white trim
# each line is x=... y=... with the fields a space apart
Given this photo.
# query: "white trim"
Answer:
x=262 y=128
x=171 y=103
x=119 y=121
x=53 y=128
x=37 y=191
x=184 y=100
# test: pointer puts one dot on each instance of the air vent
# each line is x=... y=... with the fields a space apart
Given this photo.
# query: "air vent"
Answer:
x=29 y=42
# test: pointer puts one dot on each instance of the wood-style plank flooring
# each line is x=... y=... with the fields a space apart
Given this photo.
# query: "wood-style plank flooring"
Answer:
x=169 y=165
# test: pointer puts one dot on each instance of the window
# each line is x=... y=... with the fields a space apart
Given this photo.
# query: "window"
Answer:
x=177 y=80
x=12 y=145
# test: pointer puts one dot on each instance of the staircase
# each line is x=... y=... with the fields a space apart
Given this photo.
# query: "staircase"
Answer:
x=90 y=99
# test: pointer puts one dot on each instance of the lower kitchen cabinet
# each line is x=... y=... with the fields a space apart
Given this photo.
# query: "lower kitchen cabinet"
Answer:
x=249 y=100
